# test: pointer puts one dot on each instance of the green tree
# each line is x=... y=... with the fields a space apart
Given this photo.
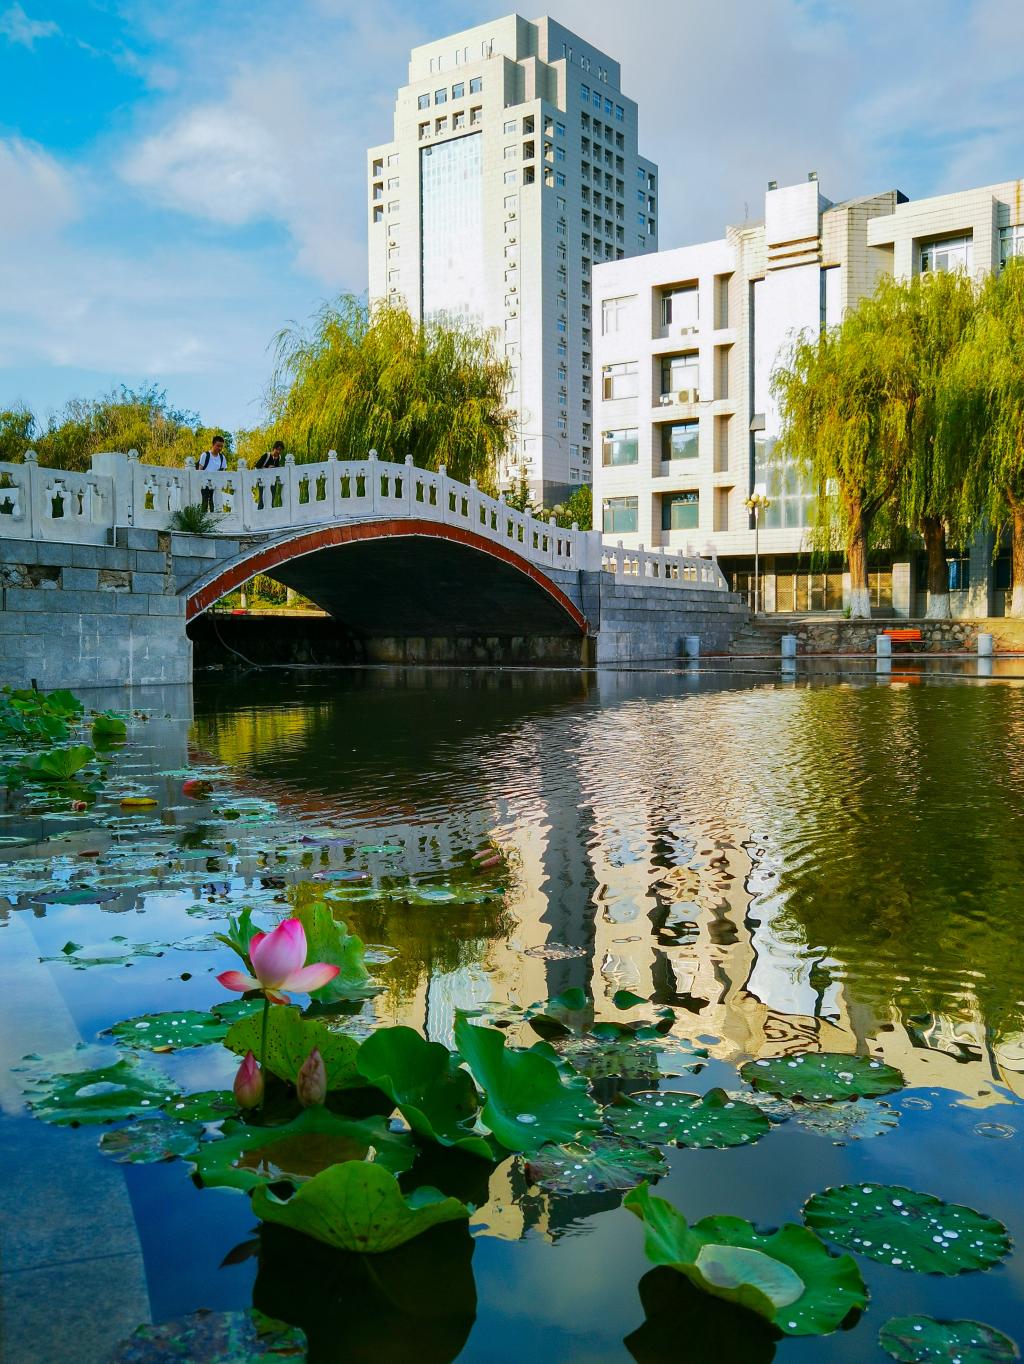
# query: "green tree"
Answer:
x=365 y=378
x=983 y=415
x=577 y=508
x=848 y=427
x=16 y=429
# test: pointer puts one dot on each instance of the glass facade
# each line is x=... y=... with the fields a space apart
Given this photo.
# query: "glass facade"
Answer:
x=620 y=514
x=452 y=229
x=680 y=511
x=1011 y=243
x=792 y=501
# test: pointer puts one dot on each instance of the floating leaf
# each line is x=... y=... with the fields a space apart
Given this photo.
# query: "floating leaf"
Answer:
x=626 y=999
x=290 y=1039
x=358 y=1206
x=246 y=1156
x=437 y=1098
x=568 y=1014
x=60 y=764
x=209 y=1105
x=920 y=1340
x=819 y=1077
x=710 y=1120
x=328 y=939
x=603 y=1163
x=123 y=1090
x=109 y=727
x=224 y=1337
x=840 y=1123
x=184 y=1028
x=231 y=1009
x=528 y=1103
x=153 y=1139
x=911 y=1230
x=786 y=1276
x=74 y=895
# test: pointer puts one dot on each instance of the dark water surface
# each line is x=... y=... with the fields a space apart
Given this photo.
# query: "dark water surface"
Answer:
x=834 y=866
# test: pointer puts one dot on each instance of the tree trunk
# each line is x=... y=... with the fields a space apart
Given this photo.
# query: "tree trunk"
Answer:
x=934 y=532
x=1015 y=605
x=857 y=557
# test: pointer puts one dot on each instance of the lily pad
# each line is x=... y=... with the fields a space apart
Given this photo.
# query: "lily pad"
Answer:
x=226 y=1337
x=528 y=1103
x=247 y=1156
x=603 y=1163
x=157 y=1032
x=210 y=1105
x=710 y=1120
x=842 y=1123
x=328 y=939
x=75 y=895
x=568 y=1014
x=153 y=1139
x=437 y=1098
x=786 y=1276
x=290 y=1039
x=358 y=1206
x=920 y=1340
x=122 y=1090
x=231 y=1009
x=911 y=1230
x=820 y=1077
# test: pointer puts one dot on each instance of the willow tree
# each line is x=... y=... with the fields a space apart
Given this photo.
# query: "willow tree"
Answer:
x=983 y=414
x=363 y=378
x=843 y=424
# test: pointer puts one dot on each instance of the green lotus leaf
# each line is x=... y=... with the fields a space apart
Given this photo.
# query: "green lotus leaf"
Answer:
x=109 y=727
x=328 y=939
x=153 y=1139
x=601 y=1057
x=911 y=1230
x=246 y=1156
x=437 y=1098
x=290 y=1039
x=820 y=1077
x=787 y=1276
x=566 y=1015
x=358 y=1206
x=227 y=1337
x=603 y=1163
x=125 y=1089
x=920 y=1340
x=709 y=1120
x=210 y=1105
x=183 y=1028
x=528 y=1103
x=241 y=931
x=626 y=999
x=231 y=1009
x=842 y=1123
x=60 y=764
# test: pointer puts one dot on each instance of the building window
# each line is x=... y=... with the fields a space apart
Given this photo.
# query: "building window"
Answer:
x=511 y=126
x=620 y=381
x=793 y=499
x=510 y=177
x=458 y=121
x=424 y=130
x=614 y=313
x=476 y=85
x=620 y=113
x=560 y=129
x=510 y=153
x=597 y=99
x=393 y=206
x=441 y=96
x=585 y=93
x=476 y=116
x=560 y=179
x=619 y=447
x=1011 y=243
x=680 y=511
x=562 y=349
x=458 y=90
x=952 y=253
x=620 y=514
x=393 y=182
x=423 y=102
x=680 y=307
x=831 y=306
x=680 y=440
x=440 y=125
x=378 y=214
x=679 y=374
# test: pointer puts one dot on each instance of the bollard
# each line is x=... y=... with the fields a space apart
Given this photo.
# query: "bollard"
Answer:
x=691 y=645
x=883 y=654
x=789 y=646
x=984 y=646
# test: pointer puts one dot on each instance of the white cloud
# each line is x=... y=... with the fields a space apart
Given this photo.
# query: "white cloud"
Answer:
x=17 y=27
x=37 y=193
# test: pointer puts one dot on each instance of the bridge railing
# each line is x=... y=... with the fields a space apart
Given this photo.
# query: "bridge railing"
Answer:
x=54 y=504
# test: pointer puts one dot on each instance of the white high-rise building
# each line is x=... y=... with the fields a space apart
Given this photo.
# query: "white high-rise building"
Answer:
x=513 y=170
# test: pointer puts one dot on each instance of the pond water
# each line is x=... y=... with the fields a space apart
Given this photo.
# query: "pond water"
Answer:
x=785 y=867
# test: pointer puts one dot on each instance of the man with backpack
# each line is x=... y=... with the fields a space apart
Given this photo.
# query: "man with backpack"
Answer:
x=216 y=460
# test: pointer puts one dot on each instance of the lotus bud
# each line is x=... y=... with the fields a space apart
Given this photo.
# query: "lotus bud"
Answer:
x=311 y=1082
x=78 y=806
x=248 y=1085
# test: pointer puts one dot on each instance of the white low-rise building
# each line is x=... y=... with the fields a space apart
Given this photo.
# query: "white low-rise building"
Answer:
x=686 y=422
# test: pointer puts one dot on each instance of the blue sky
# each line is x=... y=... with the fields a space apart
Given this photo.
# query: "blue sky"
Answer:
x=179 y=179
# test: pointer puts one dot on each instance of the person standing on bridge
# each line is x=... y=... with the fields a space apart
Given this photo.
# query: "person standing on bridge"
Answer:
x=214 y=459
x=271 y=459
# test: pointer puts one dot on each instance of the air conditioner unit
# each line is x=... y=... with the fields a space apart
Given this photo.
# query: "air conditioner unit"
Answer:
x=687 y=331
x=666 y=400
x=688 y=395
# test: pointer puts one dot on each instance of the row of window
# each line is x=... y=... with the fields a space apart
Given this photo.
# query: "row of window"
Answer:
x=679 y=440
x=679 y=377
x=462 y=57
x=679 y=307
x=679 y=511
x=600 y=129
x=458 y=91
x=459 y=121
x=957 y=253
x=594 y=97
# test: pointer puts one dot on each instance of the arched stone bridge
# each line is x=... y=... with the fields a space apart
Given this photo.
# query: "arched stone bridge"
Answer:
x=392 y=551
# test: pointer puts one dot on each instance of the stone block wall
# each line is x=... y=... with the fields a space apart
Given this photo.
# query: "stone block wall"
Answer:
x=648 y=622
x=858 y=636
x=79 y=615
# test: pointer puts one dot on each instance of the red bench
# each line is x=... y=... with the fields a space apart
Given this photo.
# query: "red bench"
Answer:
x=913 y=638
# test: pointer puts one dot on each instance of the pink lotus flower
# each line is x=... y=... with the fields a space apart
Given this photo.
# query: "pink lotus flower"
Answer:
x=311 y=1081
x=278 y=962
x=248 y=1086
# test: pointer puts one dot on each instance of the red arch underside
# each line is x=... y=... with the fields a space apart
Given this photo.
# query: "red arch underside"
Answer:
x=267 y=559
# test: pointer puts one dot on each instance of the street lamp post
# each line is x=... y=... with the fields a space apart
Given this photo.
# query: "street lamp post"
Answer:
x=756 y=503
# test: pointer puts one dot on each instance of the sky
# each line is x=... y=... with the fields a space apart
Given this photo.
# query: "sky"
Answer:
x=181 y=178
